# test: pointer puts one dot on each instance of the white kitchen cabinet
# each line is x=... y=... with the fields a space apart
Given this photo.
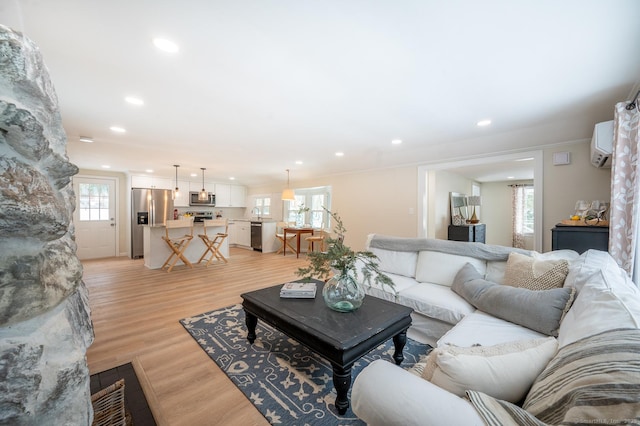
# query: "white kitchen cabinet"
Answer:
x=223 y=195
x=232 y=232
x=269 y=242
x=151 y=182
x=238 y=196
x=182 y=200
x=230 y=195
x=243 y=234
x=197 y=186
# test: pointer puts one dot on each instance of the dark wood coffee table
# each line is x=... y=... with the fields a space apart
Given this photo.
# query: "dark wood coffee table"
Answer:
x=341 y=338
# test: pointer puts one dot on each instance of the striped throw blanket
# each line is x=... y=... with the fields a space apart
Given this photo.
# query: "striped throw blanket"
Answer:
x=595 y=380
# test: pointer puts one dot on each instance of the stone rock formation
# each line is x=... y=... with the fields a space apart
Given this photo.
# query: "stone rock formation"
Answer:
x=45 y=326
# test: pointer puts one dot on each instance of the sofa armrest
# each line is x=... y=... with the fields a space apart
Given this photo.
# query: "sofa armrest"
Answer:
x=385 y=394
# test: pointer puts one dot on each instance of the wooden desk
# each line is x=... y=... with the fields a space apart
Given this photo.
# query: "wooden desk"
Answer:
x=298 y=232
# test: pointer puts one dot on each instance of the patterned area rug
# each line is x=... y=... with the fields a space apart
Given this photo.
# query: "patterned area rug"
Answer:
x=285 y=381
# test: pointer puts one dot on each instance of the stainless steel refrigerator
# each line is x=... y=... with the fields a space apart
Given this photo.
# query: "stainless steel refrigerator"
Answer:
x=148 y=207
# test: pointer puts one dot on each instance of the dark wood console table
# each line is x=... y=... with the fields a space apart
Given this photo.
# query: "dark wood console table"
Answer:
x=470 y=233
x=580 y=238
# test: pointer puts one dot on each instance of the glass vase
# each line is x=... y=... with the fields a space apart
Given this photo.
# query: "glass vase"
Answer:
x=343 y=293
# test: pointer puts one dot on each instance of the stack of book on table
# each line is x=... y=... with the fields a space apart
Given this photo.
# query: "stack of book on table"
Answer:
x=298 y=290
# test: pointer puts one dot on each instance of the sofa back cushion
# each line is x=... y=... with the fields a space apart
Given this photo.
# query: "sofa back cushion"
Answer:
x=606 y=301
x=441 y=268
x=396 y=262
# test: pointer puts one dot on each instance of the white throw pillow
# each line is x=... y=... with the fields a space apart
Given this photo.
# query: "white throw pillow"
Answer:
x=441 y=268
x=504 y=371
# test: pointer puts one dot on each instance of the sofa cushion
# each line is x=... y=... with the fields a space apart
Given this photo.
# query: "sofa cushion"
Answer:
x=606 y=301
x=480 y=328
x=435 y=301
x=504 y=371
x=400 y=283
x=594 y=378
x=586 y=265
x=535 y=273
x=441 y=268
x=396 y=262
x=540 y=310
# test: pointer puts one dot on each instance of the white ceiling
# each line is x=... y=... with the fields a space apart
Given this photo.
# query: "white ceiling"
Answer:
x=260 y=84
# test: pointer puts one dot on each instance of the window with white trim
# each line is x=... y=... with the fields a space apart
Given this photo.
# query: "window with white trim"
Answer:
x=263 y=204
x=308 y=207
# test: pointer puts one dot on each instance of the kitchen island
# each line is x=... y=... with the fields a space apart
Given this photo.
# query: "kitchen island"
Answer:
x=156 y=250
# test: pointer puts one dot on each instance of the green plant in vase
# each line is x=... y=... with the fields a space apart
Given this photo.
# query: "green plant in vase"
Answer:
x=341 y=267
x=300 y=215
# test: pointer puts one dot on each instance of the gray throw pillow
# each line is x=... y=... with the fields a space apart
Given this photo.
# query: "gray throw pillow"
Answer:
x=539 y=310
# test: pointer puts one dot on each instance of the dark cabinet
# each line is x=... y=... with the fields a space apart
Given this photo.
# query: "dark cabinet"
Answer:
x=580 y=238
x=470 y=233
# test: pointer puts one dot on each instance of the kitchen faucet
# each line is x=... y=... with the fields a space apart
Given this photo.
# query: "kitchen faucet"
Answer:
x=257 y=211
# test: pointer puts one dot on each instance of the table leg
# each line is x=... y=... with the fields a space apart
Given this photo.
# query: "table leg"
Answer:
x=399 y=341
x=284 y=243
x=251 y=321
x=342 y=383
x=297 y=245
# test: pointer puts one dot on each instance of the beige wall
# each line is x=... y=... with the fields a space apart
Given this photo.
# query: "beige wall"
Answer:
x=564 y=185
x=381 y=201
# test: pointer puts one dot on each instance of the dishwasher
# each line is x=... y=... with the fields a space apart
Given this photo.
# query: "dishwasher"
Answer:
x=256 y=236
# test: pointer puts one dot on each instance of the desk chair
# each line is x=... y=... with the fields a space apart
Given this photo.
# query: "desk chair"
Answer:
x=280 y=235
x=318 y=236
x=177 y=244
x=213 y=242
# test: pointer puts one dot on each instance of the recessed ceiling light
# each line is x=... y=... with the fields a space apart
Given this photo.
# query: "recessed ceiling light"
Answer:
x=165 y=45
x=396 y=141
x=86 y=139
x=117 y=129
x=106 y=166
x=510 y=177
x=298 y=162
x=149 y=171
x=339 y=154
x=194 y=174
x=482 y=123
x=232 y=178
x=134 y=101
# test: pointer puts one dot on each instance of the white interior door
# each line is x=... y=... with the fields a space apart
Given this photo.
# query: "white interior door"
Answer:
x=95 y=217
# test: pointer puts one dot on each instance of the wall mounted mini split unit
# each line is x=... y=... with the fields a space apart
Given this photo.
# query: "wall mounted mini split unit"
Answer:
x=602 y=144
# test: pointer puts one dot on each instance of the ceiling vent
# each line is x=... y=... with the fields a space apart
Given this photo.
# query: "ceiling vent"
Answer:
x=602 y=144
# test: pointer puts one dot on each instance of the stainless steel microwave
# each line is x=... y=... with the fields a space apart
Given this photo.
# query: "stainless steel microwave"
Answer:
x=195 y=201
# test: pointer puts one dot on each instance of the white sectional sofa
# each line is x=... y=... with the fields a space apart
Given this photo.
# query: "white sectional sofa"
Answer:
x=499 y=363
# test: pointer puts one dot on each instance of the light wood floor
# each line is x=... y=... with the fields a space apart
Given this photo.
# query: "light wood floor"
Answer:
x=135 y=313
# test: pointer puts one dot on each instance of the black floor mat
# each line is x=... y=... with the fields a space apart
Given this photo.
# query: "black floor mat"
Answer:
x=134 y=399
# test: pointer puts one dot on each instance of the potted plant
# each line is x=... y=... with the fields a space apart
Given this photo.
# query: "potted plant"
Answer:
x=341 y=267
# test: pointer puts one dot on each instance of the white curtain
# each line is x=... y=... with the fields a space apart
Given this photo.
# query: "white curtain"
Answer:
x=625 y=190
x=517 y=208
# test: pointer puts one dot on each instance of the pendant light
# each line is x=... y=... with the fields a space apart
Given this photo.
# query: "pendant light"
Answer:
x=176 y=192
x=203 y=195
x=288 y=194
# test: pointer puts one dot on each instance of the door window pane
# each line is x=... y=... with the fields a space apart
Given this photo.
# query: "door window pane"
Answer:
x=93 y=201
